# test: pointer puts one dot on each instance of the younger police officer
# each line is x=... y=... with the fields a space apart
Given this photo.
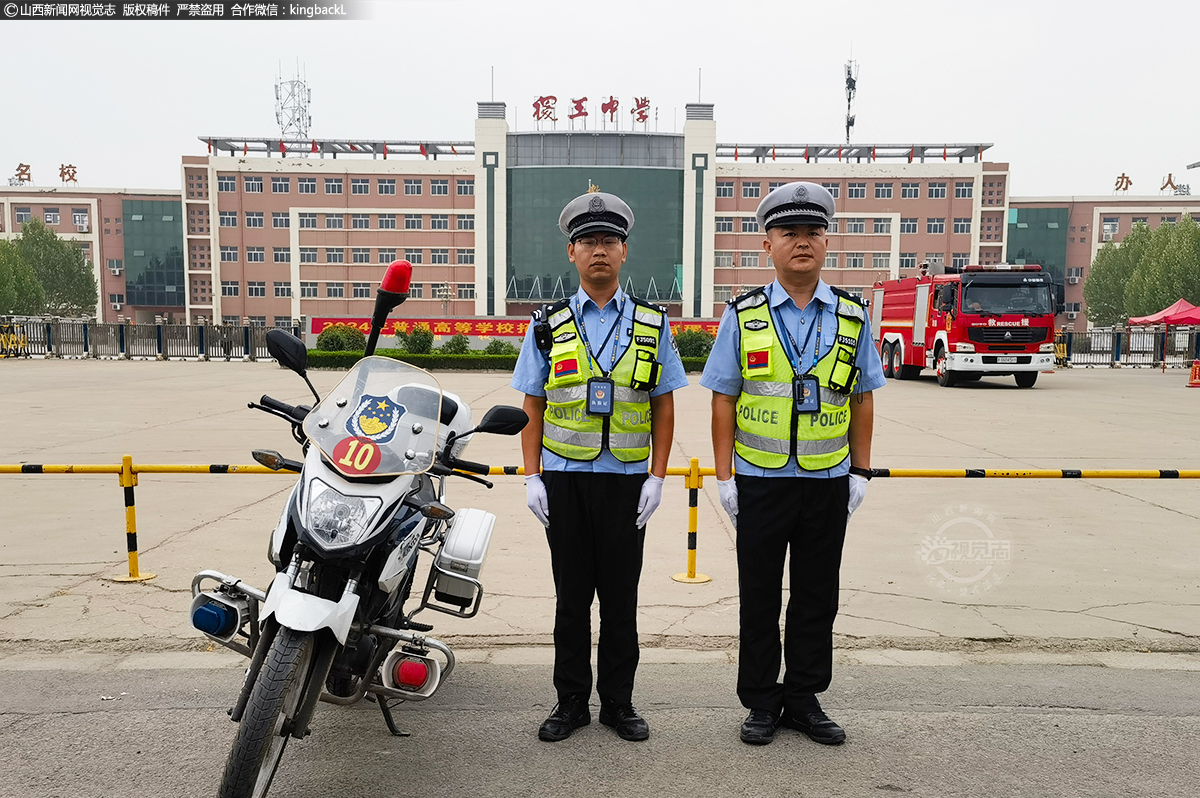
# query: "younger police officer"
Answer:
x=791 y=372
x=598 y=370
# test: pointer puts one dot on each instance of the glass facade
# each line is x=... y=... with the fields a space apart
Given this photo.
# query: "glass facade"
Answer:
x=153 y=253
x=1039 y=235
x=538 y=268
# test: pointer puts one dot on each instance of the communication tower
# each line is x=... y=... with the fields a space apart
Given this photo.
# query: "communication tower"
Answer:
x=292 y=101
x=851 y=89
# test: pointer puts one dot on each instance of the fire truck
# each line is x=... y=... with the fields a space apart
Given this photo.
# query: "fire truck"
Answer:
x=968 y=322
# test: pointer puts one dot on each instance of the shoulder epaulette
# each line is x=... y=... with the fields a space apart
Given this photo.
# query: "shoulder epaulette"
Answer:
x=750 y=299
x=847 y=295
x=646 y=304
x=849 y=305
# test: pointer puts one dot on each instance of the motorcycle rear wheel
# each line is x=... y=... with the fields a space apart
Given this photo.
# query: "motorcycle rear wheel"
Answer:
x=265 y=727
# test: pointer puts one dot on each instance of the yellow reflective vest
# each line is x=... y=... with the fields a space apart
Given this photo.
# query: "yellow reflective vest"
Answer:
x=568 y=429
x=769 y=432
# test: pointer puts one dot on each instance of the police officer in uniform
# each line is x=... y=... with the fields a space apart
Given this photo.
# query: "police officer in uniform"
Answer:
x=597 y=369
x=792 y=371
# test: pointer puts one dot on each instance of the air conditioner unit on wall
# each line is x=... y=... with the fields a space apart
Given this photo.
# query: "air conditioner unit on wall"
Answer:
x=116 y=305
x=1072 y=280
x=115 y=270
x=1072 y=315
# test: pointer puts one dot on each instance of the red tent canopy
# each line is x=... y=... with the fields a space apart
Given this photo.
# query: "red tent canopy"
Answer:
x=1165 y=315
x=1186 y=317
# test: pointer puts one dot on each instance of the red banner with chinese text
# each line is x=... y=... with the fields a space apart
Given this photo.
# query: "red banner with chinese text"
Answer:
x=483 y=328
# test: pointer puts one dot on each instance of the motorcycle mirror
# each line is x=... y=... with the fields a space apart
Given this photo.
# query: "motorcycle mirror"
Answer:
x=289 y=350
x=503 y=420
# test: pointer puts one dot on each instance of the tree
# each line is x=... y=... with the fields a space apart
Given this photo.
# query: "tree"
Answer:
x=1147 y=291
x=1181 y=262
x=65 y=276
x=20 y=292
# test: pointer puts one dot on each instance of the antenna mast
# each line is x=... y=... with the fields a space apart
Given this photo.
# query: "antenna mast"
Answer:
x=851 y=90
x=292 y=101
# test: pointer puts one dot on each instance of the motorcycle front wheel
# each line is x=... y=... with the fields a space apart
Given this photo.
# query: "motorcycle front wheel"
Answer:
x=265 y=727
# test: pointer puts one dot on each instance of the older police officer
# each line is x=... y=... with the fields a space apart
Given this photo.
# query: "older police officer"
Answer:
x=792 y=371
x=598 y=369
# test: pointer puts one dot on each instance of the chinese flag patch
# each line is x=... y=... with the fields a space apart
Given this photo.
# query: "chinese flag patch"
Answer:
x=758 y=360
x=565 y=368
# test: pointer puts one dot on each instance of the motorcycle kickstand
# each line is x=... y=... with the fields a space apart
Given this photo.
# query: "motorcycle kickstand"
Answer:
x=389 y=720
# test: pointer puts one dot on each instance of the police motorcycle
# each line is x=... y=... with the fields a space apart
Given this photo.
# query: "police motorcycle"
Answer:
x=333 y=625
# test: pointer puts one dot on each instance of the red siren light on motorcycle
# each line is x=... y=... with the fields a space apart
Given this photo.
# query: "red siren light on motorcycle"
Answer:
x=397 y=278
x=411 y=674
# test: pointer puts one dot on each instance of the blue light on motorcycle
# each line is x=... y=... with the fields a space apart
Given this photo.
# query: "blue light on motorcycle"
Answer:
x=218 y=620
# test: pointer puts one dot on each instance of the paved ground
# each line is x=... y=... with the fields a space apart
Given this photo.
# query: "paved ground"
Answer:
x=1094 y=565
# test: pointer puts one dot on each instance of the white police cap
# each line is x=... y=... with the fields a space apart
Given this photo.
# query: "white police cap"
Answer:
x=596 y=212
x=796 y=203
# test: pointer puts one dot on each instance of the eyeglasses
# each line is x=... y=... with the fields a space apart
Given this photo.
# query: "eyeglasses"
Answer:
x=590 y=242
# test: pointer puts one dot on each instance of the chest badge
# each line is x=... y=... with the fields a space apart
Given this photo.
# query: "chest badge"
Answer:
x=754 y=325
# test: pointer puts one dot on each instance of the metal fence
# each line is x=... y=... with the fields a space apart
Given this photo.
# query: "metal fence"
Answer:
x=1151 y=346
x=69 y=338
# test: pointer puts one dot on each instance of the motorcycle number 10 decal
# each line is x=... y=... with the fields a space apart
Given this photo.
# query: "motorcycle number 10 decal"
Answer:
x=357 y=456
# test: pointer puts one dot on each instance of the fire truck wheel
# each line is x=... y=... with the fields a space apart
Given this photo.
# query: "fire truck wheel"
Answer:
x=888 y=372
x=1026 y=379
x=945 y=377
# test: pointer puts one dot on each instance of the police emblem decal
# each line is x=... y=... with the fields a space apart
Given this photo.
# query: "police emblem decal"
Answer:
x=800 y=194
x=754 y=325
x=562 y=339
x=596 y=205
x=375 y=418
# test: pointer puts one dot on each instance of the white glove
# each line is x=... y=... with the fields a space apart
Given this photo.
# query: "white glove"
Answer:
x=536 y=498
x=858 y=492
x=650 y=499
x=727 y=490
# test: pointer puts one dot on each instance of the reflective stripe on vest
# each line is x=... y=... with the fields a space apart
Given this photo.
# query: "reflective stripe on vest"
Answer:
x=616 y=440
x=577 y=393
x=776 y=446
x=756 y=388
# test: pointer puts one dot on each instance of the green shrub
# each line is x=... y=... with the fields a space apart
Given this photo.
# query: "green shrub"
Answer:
x=401 y=340
x=694 y=363
x=419 y=342
x=695 y=343
x=341 y=338
x=500 y=347
x=456 y=345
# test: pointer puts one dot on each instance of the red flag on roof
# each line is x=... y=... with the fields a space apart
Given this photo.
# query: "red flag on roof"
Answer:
x=424 y=151
x=943 y=152
x=873 y=158
x=282 y=150
x=806 y=153
x=245 y=147
x=839 y=153
x=210 y=146
x=453 y=150
x=910 y=153
x=353 y=148
x=735 y=153
x=314 y=145
x=385 y=150
x=772 y=153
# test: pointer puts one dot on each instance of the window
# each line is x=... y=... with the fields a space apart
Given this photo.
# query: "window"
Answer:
x=749 y=224
x=255 y=255
x=226 y=183
x=308 y=290
x=360 y=255
x=831 y=260
x=118 y=299
x=963 y=190
x=281 y=185
x=466 y=222
x=335 y=290
x=439 y=290
x=280 y=219
x=335 y=255
x=856 y=190
x=935 y=258
x=360 y=185
x=960 y=259
x=466 y=188
x=1167 y=219
x=883 y=225
x=115 y=265
x=254 y=288
x=833 y=226
x=307 y=185
x=79 y=217
x=412 y=188
x=439 y=221
x=466 y=290
x=832 y=188
x=1075 y=271
x=412 y=255
x=257 y=321
x=387 y=221
x=1073 y=307
x=883 y=190
x=386 y=185
x=881 y=260
x=856 y=292
x=253 y=185
x=283 y=321
x=360 y=290
x=360 y=221
x=908 y=260
x=439 y=256
x=856 y=226
x=416 y=291
x=333 y=185
x=228 y=218
x=24 y=215
x=935 y=225
x=723 y=260
x=231 y=320
x=937 y=191
x=724 y=224
x=229 y=254
x=854 y=260
x=282 y=255
x=722 y=293
x=439 y=188
x=751 y=190
x=254 y=219
x=774 y=184
x=412 y=221
x=283 y=291
x=1110 y=228
x=1136 y=220
x=308 y=220
x=334 y=222
x=466 y=257
x=387 y=255
x=308 y=254
x=910 y=190
x=962 y=225
x=749 y=260
x=229 y=288
x=724 y=188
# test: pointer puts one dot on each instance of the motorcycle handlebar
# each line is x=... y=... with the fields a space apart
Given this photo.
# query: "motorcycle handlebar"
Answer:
x=295 y=413
x=466 y=465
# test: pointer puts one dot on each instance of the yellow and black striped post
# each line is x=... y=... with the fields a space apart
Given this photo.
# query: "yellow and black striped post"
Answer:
x=693 y=481
x=129 y=481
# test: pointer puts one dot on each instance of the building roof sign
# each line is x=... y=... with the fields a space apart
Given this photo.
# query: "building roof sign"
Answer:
x=853 y=152
x=270 y=147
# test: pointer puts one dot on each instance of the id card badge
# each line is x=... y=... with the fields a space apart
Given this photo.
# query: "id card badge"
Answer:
x=806 y=393
x=600 y=396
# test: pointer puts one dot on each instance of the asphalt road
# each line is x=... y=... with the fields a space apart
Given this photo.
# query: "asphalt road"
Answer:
x=983 y=730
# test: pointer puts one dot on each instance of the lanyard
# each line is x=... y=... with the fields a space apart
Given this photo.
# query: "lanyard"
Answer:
x=800 y=349
x=588 y=347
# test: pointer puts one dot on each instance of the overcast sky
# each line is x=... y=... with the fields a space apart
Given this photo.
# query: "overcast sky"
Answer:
x=1071 y=94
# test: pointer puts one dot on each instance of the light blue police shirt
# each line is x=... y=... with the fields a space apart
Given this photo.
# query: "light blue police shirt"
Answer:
x=533 y=369
x=723 y=372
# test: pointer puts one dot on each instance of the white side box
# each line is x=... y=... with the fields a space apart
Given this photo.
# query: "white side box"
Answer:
x=464 y=552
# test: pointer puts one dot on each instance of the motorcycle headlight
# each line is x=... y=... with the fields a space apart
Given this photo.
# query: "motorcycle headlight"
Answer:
x=338 y=521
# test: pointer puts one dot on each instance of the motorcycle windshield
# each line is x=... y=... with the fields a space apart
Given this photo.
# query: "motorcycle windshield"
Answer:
x=380 y=420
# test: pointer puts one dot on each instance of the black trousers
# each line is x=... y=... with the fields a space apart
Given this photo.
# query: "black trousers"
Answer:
x=808 y=515
x=595 y=550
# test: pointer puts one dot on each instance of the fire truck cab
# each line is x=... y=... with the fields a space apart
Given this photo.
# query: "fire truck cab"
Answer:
x=967 y=323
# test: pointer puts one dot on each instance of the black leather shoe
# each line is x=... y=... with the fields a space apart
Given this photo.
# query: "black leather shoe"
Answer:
x=569 y=714
x=817 y=725
x=759 y=727
x=625 y=721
